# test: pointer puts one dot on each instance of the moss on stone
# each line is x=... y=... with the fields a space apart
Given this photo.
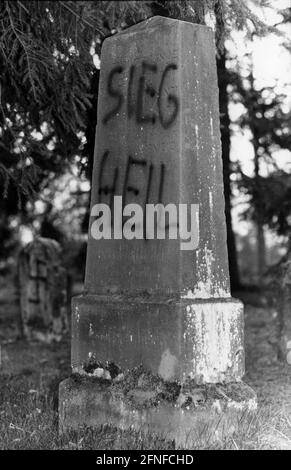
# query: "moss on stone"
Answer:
x=142 y=389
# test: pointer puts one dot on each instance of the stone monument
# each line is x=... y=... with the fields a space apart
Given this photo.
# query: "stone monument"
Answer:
x=156 y=297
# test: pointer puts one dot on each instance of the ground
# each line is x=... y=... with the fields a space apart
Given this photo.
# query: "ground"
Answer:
x=30 y=374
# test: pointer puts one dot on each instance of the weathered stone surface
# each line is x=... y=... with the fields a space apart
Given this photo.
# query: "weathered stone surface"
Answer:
x=176 y=339
x=42 y=285
x=158 y=140
x=164 y=69
x=216 y=414
x=148 y=301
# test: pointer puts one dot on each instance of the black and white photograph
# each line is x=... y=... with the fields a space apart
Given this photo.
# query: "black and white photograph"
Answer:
x=145 y=228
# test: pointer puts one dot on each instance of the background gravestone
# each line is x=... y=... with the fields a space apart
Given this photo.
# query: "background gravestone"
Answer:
x=283 y=288
x=42 y=282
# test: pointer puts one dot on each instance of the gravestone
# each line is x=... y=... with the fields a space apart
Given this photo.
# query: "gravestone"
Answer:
x=283 y=291
x=160 y=302
x=42 y=283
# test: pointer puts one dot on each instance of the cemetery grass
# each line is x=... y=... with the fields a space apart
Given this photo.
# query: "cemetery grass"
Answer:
x=30 y=375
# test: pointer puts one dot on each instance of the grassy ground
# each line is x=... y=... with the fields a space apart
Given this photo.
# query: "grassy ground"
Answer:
x=30 y=374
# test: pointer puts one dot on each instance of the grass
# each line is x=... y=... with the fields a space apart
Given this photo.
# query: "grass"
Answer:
x=29 y=420
x=30 y=374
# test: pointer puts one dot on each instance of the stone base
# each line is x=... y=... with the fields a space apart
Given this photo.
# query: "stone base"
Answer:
x=174 y=338
x=188 y=416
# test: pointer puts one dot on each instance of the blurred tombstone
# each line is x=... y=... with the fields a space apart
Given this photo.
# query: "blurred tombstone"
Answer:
x=42 y=282
x=285 y=310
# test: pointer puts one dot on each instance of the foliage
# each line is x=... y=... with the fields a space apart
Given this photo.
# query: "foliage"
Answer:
x=46 y=68
x=270 y=198
x=49 y=84
x=269 y=122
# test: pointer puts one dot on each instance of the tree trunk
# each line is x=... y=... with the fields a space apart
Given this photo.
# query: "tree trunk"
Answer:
x=225 y=143
x=261 y=246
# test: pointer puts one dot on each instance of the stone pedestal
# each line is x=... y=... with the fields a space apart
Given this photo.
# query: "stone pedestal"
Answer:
x=200 y=414
x=160 y=301
x=177 y=339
